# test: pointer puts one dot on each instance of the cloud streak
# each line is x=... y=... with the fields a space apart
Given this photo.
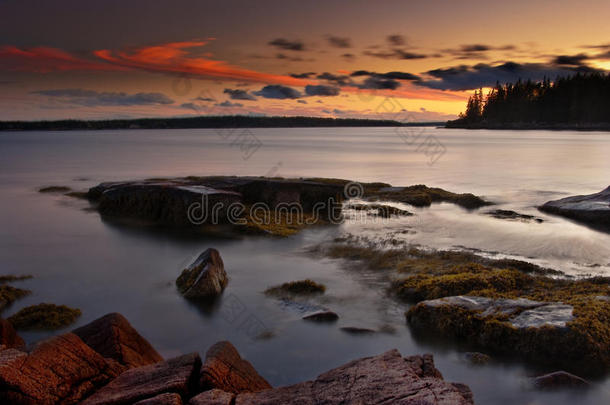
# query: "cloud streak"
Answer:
x=91 y=98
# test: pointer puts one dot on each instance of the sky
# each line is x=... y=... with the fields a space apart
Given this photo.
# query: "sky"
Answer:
x=404 y=60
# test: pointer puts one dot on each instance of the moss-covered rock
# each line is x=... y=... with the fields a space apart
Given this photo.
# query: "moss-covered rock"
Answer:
x=10 y=278
x=9 y=294
x=54 y=189
x=302 y=287
x=423 y=196
x=44 y=316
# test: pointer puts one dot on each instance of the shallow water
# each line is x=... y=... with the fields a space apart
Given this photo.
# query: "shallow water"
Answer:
x=79 y=260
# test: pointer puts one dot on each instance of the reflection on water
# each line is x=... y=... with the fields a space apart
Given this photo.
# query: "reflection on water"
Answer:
x=100 y=267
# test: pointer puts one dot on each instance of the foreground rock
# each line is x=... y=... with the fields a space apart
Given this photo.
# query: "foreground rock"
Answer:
x=213 y=397
x=592 y=209
x=113 y=337
x=162 y=399
x=385 y=379
x=322 y=316
x=558 y=380
x=178 y=375
x=62 y=369
x=8 y=336
x=538 y=331
x=226 y=370
x=205 y=278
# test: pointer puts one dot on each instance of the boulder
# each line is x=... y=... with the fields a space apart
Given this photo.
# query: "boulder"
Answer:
x=559 y=379
x=213 y=397
x=169 y=398
x=178 y=375
x=8 y=336
x=384 y=379
x=536 y=331
x=113 y=336
x=62 y=369
x=205 y=278
x=226 y=370
x=592 y=209
x=322 y=316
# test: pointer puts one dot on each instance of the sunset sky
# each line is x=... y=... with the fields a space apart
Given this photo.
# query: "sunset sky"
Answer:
x=157 y=58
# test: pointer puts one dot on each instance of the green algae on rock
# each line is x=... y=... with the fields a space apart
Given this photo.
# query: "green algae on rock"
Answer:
x=302 y=287
x=44 y=316
x=9 y=294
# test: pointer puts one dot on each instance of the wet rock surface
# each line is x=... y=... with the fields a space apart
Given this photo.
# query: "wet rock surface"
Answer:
x=559 y=380
x=592 y=209
x=62 y=369
x=322 y=316
x=8 y=335
x=513 y=216
x=113 y=337
x=178 y=375
x=384 y=379
x=226 y=370
x=205 y=278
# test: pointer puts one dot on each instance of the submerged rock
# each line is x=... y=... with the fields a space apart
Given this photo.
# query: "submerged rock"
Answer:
x=592 y=209
x=322 y=316
x=355 y=330
x=477 y=358
x=62 y=369
x=44 y=316
x=538 y=331
x=226 y=370
x=559 y=379
x=301 y=287
x=178 y=375
x=9 y=294
x=384 y=379
x=205 y=278
x=512 y=215
x=113 y=337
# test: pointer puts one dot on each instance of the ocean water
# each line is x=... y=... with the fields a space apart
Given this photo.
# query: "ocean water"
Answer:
x=80 y=260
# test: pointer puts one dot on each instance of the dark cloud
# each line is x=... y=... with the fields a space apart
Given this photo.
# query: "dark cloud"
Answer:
x=229 y=104
x=278 y=92
x=395 y=54
x=337 y=111
x=340 y=80
x=339 y=42
x=190 y=106
x=348 y=56
x=321 y=90
x=302 y=101
x=484 y=75
x=91 y=98
x=475 y=48
x=473 y=51
x=288 y=45
x=396 y=40
x=289 y=58
x=239 y=94
x=388 y=75
x=204 y=99
x=374 y=82
x=571 y=60
x=305 y=75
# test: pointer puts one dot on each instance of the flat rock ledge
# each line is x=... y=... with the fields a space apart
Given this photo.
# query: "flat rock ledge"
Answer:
x=592 y=209
x=535 y=331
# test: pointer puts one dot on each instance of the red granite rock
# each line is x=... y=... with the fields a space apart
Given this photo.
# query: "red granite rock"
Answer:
x=62 y=369
x=226 y=370
x=113 y=336
x=8 y=336
x=212 y=397
x=169 y=398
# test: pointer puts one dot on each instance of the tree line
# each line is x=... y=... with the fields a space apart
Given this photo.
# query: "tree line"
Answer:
x=581 y=99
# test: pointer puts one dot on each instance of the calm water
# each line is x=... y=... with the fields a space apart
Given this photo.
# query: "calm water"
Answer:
x=81 y=261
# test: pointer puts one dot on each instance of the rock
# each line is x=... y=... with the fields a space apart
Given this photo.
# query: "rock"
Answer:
x=384 y=379
x=113 y=336
x=8 y=336
x=559 y=379
x=226 y=370
x=169 y=398
x=354 y=330
x=322 y=316
x=592 y=209
x=536 y=331
x=477 y=358
x=178 y=375
x=62 y=369
x=515 y=216
x=380 y=210
x=213 y=397
x=205 y=278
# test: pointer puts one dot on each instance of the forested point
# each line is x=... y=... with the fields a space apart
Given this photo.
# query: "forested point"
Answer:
x=581 y=101
x=234 y=121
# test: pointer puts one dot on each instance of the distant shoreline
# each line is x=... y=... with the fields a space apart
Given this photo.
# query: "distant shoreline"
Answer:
x=219 y=122
x=524 y=126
